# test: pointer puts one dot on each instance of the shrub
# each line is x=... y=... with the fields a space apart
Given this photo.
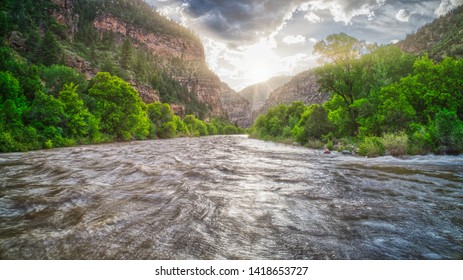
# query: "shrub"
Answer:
x=371 y=147
x=421 y=141
x=230 y=129
x=395 y=144
x=168 y=130
x=456 y=137
x=314 y=144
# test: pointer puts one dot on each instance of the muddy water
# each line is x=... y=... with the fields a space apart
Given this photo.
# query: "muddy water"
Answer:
x=227 y=197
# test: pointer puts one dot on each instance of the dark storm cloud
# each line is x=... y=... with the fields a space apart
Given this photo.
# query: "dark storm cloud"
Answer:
x=245 y=21
x=241 y=20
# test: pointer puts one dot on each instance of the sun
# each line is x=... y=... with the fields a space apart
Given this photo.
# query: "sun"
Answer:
x=258 y=71
x=259 y=62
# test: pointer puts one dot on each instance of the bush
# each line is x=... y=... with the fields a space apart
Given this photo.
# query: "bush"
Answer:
x=230 y=129
x=447 y=131
x=371 y=147
x=168 y=130
x=421 y=141
x=395 y=144
x=456 y=137
x=314 y=144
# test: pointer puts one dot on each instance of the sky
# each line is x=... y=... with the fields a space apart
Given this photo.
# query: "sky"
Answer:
x=247 y=41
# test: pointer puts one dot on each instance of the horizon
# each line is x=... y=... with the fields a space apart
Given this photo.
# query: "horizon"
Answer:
x=249 y=42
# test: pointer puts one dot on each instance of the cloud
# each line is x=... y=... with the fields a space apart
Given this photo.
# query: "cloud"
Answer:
x=313 y=40
x=403 y=15
x=344 y=11
x=247 y=21
x=312 y=17
x=290 y=40
x=446 y=6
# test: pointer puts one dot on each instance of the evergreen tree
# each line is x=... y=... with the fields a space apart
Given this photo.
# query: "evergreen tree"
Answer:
x=50 y=49
x=126 y=54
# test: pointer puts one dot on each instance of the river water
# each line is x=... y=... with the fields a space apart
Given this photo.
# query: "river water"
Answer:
x=227 y=197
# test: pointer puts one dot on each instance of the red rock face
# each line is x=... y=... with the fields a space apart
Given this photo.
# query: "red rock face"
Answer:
x=167 y=46
x=146 y=93
x=178 y=109
x=206 y=84
x=65 y=16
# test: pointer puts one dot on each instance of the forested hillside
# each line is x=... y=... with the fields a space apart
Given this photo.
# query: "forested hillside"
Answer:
x=439 y=39
x=115 y=85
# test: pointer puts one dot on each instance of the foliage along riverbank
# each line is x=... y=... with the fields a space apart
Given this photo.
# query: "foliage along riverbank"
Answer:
x=382 y=102
x=48 y=107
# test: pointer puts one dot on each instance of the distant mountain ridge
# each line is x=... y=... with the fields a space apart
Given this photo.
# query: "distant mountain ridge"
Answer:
x=257 y=94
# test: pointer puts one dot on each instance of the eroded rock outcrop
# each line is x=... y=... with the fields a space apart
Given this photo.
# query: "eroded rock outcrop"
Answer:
x=164 y=45
x=65 y=15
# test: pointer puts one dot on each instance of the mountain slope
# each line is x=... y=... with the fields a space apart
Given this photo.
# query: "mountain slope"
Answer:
x=161 y=59
x=302 y=87
x=440 y=38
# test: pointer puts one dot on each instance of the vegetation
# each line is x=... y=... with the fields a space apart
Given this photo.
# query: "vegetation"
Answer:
x=384 y=102
x=440 y=38
x=44 y=104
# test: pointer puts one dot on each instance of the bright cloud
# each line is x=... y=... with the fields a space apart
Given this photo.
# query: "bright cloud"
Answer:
x=344 y=11
x=290 y=40
x=446 y=6
x=313 y=40
x=403 y=15
x=312 y=17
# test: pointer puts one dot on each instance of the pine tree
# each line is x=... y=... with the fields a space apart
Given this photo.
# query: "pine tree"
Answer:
x=50 y=49
x=126 y=54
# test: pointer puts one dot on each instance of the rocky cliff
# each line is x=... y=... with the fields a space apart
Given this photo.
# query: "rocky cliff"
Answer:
x=164 y=45
x=302 y=87
x=173 y=44
x=65 y=15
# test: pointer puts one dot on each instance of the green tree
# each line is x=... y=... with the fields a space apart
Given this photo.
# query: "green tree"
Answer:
x=119 y=108
x=195 y=127
x=56 y=76
x=341 y=76
x=50 y=49
x=313 y=124
x=12 y=102
x=78 y=122
x=3 y=26
x=126 y=54
x=168 y=130
x=448 y=130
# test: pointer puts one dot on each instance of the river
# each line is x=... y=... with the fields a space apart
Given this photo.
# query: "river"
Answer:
x=227 y=197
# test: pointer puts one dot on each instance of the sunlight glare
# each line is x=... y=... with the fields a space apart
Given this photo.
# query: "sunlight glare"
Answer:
x=259 y=62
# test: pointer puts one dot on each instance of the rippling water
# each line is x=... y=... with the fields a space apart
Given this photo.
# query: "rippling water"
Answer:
x=227 y=197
